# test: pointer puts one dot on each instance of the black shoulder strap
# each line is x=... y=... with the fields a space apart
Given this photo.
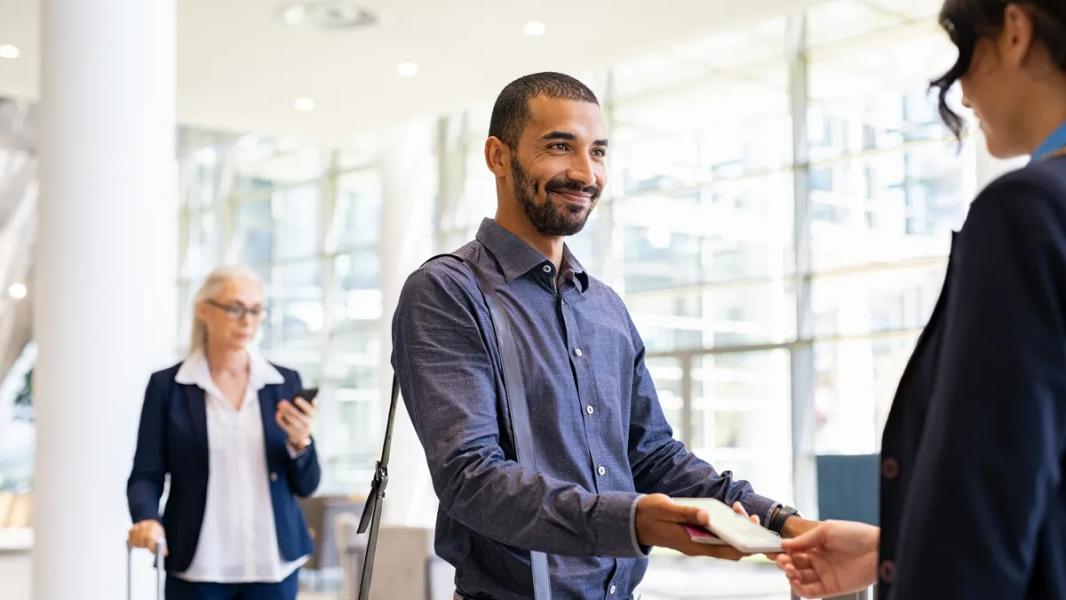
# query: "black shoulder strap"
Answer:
x=518 y=409
x=372 y=509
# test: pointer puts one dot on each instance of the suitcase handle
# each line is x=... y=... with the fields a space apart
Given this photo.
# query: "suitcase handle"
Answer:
x=157 y=562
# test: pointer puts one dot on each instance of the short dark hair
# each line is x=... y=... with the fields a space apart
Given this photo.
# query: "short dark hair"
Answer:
x=967 y=21
x=511 y=111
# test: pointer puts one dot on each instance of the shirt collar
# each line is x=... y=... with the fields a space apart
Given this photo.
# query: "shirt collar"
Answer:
x=516 y=258
x=194 y=370
x=1055 y=141
x=571 y=266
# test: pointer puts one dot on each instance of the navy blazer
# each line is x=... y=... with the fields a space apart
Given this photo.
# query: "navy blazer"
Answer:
x=972 y=497
x=172 y=440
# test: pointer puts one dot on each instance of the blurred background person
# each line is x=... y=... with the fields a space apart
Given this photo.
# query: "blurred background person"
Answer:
x=228 y=428
x=973 y=503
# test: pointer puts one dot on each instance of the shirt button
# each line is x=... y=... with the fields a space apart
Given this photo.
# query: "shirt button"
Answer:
x=578 y=352
x=589 y=409
x=890 y=468
x=611 y=591
x=887 y=571
x=602 y=470
x=547 y=268
x=273 y=476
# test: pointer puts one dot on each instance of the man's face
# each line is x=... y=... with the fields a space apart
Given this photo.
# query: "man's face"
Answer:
x=558 y=168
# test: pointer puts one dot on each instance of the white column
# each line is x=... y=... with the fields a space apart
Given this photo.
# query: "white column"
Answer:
x=105 y=276
x=408 y=178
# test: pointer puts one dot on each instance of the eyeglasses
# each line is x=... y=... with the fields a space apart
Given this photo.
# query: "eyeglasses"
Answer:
x=236 y=312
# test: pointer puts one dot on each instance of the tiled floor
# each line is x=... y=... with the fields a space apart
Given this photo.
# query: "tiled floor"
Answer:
x=668 y=578
x=686 y=578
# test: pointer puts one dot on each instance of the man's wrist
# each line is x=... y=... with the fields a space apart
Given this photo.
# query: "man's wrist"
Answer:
x=796 y=525
x=779 y=515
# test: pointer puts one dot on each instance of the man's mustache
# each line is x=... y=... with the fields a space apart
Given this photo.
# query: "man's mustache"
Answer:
x=571 y=185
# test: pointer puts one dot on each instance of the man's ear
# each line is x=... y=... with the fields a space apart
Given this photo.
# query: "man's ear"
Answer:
x=497 y=156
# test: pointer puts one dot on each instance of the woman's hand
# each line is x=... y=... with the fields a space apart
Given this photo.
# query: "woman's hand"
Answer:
x=834 y=558
x=295 y=419
x=147 y=534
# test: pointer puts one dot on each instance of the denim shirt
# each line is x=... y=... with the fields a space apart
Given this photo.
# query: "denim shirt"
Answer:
x=600 y=437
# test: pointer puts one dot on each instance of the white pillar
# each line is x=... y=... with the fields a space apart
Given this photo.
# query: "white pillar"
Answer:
x=105 y=276
x=408 y=178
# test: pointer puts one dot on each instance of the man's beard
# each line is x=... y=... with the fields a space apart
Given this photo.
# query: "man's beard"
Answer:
x=549 y=218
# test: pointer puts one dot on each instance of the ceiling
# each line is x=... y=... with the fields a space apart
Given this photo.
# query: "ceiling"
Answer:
x=240 y=67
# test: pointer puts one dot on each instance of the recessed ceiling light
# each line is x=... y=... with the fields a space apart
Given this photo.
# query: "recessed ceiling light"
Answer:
x=535 y=29
x=407 y=69
x=304 y=104
x=326 y=15
x=9 y=52
x=17 y=291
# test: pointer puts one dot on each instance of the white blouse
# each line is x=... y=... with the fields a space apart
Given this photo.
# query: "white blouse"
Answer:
x=238 y=541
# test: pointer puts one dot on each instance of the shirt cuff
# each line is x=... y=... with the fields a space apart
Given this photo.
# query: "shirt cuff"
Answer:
x=294 y=453
x=614 y=522
x=759 y=505
x=641 y=550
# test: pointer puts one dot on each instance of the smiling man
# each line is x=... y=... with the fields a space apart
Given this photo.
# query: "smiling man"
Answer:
x=606 y=460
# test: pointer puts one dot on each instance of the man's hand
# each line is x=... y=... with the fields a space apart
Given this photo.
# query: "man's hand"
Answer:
x=834 y=558
x=659 y=520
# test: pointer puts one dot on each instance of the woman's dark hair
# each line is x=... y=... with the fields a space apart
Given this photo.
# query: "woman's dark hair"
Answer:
x=967 y=21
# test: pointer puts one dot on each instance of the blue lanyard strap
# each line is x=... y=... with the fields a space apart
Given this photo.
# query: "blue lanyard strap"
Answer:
x=1054 y=146
x=1055 y=154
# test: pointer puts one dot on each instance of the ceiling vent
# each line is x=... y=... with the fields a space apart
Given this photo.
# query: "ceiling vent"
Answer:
x=326 y=15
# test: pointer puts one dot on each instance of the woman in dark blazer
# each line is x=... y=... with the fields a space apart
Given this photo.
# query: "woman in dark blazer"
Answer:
x=973 y=500
x=237 y=451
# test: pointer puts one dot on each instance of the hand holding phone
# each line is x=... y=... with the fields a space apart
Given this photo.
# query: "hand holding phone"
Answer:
x=295 y=417
x=308 y=394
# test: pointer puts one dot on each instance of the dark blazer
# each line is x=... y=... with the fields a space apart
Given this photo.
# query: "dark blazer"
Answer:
x=172 y=440
x=972 y=497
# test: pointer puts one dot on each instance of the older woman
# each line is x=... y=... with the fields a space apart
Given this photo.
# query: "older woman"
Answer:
x=237 y=450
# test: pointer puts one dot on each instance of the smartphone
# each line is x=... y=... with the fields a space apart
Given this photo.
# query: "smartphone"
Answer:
x=728 y=526
x=307 y=394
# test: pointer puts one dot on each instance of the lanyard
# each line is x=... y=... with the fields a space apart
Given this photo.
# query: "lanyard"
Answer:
x=1054 y=146
x=1054 y=154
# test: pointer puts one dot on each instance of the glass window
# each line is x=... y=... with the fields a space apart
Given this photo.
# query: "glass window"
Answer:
x=741 y=416
x=296 y=212
x=856 y=381
x=253 y=241
x=358 y=208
